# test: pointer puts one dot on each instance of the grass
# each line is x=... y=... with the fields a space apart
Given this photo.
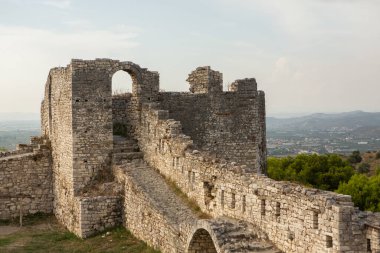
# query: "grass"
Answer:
x=44 y=234
x=192 y=204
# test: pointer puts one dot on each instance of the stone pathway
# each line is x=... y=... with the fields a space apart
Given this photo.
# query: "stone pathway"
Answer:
x=154 y=185
x=230 y=235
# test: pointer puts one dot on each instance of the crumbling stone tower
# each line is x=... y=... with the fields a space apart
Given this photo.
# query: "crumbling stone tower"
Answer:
x=100 y=156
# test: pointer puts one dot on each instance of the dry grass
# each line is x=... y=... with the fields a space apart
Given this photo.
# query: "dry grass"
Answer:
x=372 y=160
x=189 y=202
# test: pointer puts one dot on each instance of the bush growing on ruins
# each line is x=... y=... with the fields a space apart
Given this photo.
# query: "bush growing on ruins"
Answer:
x=321 y=171
x=2 y=149
x=365 y=191
x=378 y=155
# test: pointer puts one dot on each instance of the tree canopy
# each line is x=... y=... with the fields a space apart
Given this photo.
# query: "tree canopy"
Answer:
x=328 y=172
x=319 y=171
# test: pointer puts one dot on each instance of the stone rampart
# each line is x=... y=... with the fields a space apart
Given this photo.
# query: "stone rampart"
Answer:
x=26 y=183
x=228 y=124
x=297 y=219
x=98 y=213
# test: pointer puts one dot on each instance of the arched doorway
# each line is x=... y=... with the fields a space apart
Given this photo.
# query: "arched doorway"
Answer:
x=121 y=83
x=122 y=88
x=202 y=242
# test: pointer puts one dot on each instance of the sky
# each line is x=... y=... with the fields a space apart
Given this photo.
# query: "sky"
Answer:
x=306 y=55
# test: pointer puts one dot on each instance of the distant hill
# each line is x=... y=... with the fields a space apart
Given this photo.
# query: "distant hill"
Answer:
x=358 y=121
x=13 y=132
x=10 y=116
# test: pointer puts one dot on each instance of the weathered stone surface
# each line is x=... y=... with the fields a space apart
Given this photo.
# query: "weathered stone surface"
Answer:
x=210 y=142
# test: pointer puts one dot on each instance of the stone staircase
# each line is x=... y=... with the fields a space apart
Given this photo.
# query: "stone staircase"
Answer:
x=125 y=149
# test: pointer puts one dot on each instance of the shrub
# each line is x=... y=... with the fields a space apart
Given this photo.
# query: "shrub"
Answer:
x=364 y=168
x=355 y=157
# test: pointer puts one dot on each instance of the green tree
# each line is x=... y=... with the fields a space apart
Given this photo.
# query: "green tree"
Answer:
x=365 y=191
x=364 y=168
x=355 y=157
x=320 y=171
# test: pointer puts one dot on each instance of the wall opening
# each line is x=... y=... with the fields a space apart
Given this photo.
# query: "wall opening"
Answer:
x=201 y=242
x=369 y=249
x=121 y=83
x=278 y=209
x=222 y=198
x=329 y=241
x=233 y=200
x=315 y=220
x=121 y=98
x=243 y=206
x=263 y=207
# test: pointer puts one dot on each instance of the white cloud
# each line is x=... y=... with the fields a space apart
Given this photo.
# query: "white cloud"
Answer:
x=61 y=4
x=31 y=52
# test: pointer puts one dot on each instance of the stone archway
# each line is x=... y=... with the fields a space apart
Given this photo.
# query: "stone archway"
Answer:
x=201 y=242
x=134 y=71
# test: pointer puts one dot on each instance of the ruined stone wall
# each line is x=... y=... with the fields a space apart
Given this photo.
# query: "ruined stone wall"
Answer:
x=148 y=218
x=147 y=222
x=26 y=183
x=92 y=113
x=120 y=105
x=98 y=213
x=296 y=219
x=229 y=124
x=56 y=121
x=121 y=116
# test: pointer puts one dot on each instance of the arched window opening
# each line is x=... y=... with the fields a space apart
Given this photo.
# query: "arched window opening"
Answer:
x=201 y=242
x=121 y=83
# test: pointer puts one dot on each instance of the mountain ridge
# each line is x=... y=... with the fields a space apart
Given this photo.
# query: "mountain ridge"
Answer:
x=323 y=121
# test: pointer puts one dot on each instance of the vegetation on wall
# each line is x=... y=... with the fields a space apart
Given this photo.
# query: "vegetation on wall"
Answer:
x=330 y=172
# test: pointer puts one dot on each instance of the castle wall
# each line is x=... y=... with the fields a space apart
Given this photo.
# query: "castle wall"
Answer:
x=296 y=219
x=92 y=113
x=209 y=142
x=56 y=114
x=147 y=222
x=230 y=124
x=26 y=184
x=98 y=213
x=121 y=113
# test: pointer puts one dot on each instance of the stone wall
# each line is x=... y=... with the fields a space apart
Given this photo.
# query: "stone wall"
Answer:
x=98 y=213
x=209 y=142
x=147 y=222
x=56 y=124
x=92 y=113
x=296 y=219
x=26 y=183
x=228 y=124
x=121 y=116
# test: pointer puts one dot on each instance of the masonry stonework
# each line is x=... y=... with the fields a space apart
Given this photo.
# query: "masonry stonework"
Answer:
x=104 y=160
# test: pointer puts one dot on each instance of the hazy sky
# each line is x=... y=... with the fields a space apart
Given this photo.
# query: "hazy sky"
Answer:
x=307 y=55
